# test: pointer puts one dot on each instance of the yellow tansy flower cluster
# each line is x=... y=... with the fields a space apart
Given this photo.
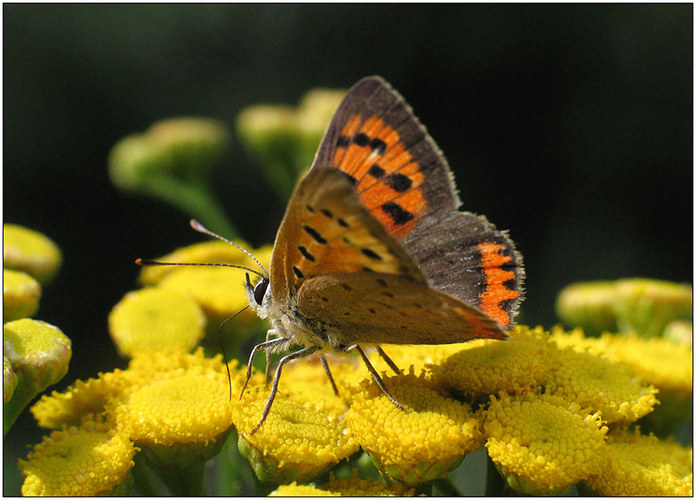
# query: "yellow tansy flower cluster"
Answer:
x=171 y=404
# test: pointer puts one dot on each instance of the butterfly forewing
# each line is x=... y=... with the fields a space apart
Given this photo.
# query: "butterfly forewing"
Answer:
x=401 y=177
x=326 y=230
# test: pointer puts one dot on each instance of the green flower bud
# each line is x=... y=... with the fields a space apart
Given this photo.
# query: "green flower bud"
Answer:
x=9 y=378
x=39 y=354
x=285 y=139
x=172 y=161
x=588 y=305
x=647 y=306
x=31 y=252
x=21 y=294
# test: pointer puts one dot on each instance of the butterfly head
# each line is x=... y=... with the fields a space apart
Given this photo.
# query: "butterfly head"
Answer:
x=259 y=295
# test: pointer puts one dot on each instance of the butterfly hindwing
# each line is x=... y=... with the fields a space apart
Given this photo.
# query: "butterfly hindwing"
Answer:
x=326 y=230
x=377 y=308
x=399 y=173
x=465 y=256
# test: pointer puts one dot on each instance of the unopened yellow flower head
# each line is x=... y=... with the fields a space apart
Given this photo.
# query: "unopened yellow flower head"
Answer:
x=640 y=465
x=90 y=460
x=156 y=319
x=30 y=251
x=352 y=487
x=599 y=384
x=421 y=443
x=20 y=295
x=304 y=435
x=542 y=444
x=514 y=365
x=39 y=354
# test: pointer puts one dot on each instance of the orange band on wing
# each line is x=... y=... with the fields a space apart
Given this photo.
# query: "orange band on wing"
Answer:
x=496 y=291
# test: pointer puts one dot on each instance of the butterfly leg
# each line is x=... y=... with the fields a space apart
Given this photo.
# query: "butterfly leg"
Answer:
x=376 y=376
x=262 y=345
x=269 y=333
x=274 y=389
x=328 y=373
x=389 y=361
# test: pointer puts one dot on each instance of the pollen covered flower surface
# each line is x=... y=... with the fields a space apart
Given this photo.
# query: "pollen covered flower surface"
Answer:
x=304 y=435
x=640 y=465
x=541 y=444
x=420 y=443
x=87 y=461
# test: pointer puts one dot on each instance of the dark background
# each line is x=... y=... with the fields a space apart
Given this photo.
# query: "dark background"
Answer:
x=569 y=125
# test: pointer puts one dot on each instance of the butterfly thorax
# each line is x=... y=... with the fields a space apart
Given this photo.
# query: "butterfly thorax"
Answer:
x=286 y=320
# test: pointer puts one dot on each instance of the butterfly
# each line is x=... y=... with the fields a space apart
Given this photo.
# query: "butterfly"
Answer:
x=373 y=250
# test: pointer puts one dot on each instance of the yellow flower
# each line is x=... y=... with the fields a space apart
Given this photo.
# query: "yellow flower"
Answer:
x=644 y=466
x=599 y=384
x=218 y=290
x=30 y=251
x=495 y=366
x=87 y=461
x=660 y=362
x=421 y=357
x=21 y=294
x=303 y=437
x=301 y=490
x=419 y=444
x=191 y=408
x=541 y=444
x=156 y=319
x=80 y=400
x=353 y=487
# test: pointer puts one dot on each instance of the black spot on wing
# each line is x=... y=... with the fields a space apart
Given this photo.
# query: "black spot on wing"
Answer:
x=371 y=254
x=398 y=214
x=398 y=182
x=314 y=234
x=327 y=213
x=297 y=272
x=378 y=145
x=305 y=253
x=376 y=171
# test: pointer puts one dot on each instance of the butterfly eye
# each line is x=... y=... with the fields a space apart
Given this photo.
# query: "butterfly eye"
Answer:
x=260 y=290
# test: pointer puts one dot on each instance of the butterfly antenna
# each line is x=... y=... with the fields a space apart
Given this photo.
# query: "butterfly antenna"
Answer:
x=202 y=229
x=150 y=262
x=222 y=347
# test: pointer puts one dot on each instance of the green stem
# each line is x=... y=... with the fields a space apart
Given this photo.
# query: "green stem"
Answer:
x=23 y=394
x=195 y=199
x=495 y=484
x=445 y=488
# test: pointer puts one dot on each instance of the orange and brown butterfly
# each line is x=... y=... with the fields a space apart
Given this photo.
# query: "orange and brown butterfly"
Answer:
x=373 y=249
